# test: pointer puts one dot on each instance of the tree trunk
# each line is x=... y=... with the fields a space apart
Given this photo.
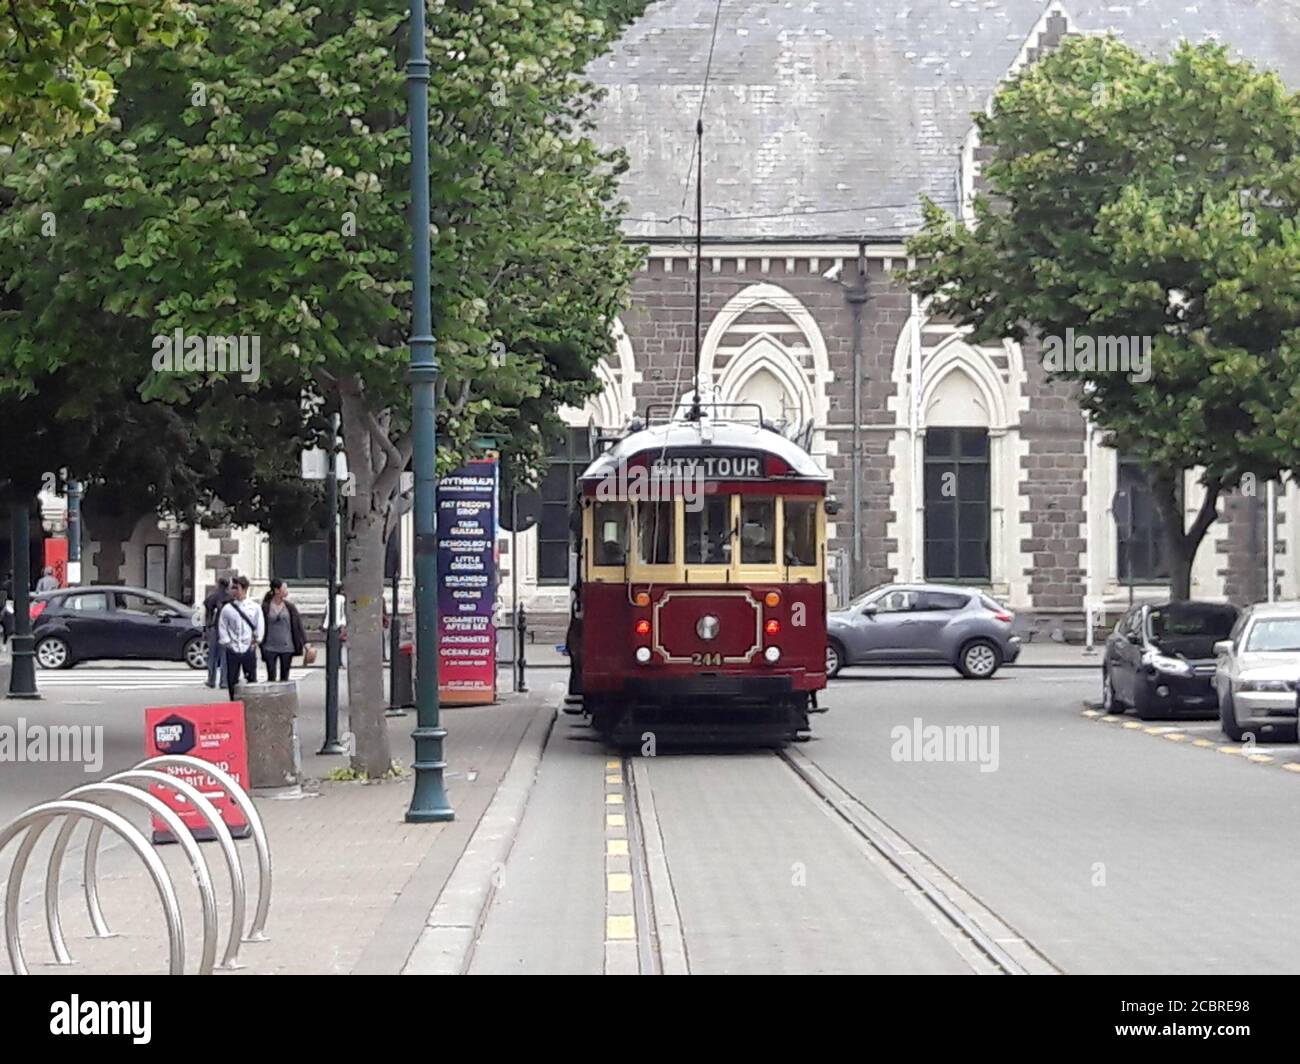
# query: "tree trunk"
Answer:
x=363 y=586
x=1182 y=545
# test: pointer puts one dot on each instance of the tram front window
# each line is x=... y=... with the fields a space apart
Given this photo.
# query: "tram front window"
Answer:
x=758 y=531
x=609 y=522
x=708 y=532
x=655 y=524
x=800 y=532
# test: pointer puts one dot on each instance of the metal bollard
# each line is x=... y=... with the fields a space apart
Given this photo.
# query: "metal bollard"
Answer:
x=521 y=656
x=257 y=932
x=34 y=822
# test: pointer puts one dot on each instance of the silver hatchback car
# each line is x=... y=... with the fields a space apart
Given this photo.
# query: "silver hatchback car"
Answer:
x=922 y=624
x=1257 y=671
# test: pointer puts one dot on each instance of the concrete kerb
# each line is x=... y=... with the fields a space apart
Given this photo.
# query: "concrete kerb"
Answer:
x=446 y=945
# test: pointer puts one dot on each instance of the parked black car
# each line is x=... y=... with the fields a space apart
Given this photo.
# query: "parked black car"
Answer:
x=81 y=623
x=1159 y=660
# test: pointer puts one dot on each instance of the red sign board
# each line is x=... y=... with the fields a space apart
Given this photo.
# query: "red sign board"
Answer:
x=212 y=732
x=56 y=558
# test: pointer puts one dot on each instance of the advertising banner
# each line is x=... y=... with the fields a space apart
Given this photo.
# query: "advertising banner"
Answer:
x=56 y=558
x=212 y=732
x=467 y=522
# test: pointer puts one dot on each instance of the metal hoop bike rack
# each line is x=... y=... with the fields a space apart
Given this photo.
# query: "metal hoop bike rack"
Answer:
x=89 y=802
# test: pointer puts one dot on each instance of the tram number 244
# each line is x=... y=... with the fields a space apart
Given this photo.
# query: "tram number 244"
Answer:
x=706 y=659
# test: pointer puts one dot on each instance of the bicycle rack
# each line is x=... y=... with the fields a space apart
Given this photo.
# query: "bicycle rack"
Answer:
x=133 y=786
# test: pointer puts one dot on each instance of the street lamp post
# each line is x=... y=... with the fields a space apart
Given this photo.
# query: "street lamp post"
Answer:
x=22 y=673
x=429 y=801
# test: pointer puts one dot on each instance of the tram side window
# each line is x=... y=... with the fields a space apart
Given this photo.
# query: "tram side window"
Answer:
x=708 y=531
x=609 y=521
x=757 y=531
x=800 y=532
x=655 y=521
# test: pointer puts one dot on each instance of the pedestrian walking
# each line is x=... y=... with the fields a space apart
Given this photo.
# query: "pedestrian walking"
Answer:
x=285 y=636
x=48 y=581
x=7 y=608
x=211 y=610
x=240 y=629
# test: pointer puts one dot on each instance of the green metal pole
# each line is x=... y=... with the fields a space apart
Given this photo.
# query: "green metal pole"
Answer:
x=429 y=802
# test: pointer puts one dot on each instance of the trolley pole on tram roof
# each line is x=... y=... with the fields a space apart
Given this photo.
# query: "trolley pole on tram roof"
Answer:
x=429 y=802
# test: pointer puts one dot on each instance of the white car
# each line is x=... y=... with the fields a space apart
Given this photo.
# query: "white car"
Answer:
x=1256 y=673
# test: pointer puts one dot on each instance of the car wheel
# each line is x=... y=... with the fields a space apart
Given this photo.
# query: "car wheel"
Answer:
x=979 y=660
x=53 y=653
x=196 y=653
x=1228 y=719
x=834 y=659
x=1110 y=702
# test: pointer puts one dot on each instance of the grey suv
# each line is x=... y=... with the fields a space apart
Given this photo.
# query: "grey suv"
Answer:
x=922 y=624
x=1256 y=673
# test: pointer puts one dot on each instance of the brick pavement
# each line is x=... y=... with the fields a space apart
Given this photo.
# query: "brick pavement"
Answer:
x=353 y=883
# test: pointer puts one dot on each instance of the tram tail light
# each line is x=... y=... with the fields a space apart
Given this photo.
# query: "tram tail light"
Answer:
x=643 y=627
x=641 y=598
x=772 y=598
x=773 y=627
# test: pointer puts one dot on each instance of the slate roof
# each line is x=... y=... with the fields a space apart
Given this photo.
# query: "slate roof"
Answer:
x=828 y=118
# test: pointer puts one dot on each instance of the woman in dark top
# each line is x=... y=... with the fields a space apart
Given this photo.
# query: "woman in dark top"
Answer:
x=285 y=636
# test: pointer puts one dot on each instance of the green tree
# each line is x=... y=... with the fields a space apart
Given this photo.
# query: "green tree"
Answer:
x=259 y=186
x=1153 y=199
x=57 y=59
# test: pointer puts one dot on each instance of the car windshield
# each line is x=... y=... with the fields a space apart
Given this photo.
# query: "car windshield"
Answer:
x=1173 y=622
x=874 y=593
x=1276 y=635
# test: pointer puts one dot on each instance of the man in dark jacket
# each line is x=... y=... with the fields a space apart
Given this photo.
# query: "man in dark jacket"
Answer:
x=211 y=609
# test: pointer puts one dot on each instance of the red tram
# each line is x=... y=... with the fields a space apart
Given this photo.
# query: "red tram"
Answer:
x=700 y=606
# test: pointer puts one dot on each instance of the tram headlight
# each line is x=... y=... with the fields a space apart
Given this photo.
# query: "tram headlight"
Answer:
x=772 y=655
x=643 y=655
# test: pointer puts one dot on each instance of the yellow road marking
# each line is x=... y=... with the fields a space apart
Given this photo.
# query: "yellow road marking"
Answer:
x=1292 y=766
x=620 y=928
x=1132 y=724
x=1091 y=713
x=1176 y=736
x=615 y=820
x=616 y=848
x=1110 y=719
x=613 y=779
x=1260 y=759
x=613 y=799
x=1202 y=742
x=618 y=883
x=613 y=765
x=1154 y=731
x=1230 y=749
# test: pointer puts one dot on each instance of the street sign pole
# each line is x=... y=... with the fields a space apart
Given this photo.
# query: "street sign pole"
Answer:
x=332 y=745
x=429 y=801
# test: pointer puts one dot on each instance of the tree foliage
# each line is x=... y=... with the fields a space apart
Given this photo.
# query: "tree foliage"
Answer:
x=259 y=187
x=57 y=59
x=1152 y=199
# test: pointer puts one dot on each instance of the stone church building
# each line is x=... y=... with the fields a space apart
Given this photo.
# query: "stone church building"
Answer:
x=825 y=121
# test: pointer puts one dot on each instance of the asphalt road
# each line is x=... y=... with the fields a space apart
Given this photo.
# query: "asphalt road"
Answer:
x=1108 y=847
x=1105 y=844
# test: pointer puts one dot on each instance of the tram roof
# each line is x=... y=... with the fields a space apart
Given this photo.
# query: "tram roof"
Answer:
x=702 y=436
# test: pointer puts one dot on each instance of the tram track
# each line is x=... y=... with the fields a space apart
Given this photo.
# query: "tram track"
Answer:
x=988 y=942
x=1009 y=952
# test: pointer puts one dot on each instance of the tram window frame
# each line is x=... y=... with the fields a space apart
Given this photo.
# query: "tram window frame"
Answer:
x=811 y=507
x=774 y=531
x=726 y=547
x=669 y=508
x=602 y=513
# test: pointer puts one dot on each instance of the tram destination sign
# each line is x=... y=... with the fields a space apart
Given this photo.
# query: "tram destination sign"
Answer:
x=710 y=465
